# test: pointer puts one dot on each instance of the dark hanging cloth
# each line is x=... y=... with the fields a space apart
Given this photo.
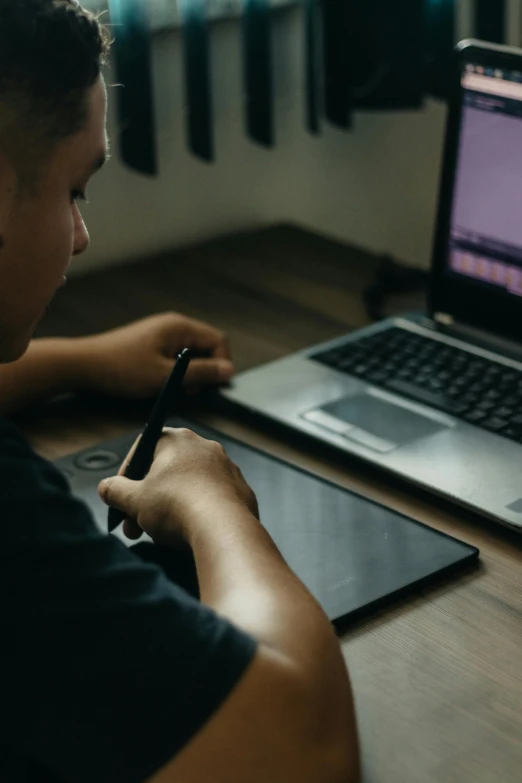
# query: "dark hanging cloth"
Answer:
x=373 y=56
x=387 y=54
x=490 y=20
x=257 y=58
x=338 y=34
x=135 y=102
x=313 y=95
x=441 y=38
x=197 y=78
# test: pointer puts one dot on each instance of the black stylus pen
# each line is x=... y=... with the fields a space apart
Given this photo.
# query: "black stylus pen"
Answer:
x=143 y=457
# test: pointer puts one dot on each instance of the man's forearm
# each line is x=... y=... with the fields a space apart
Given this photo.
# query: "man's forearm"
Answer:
x=243 y=577
x=48 y=368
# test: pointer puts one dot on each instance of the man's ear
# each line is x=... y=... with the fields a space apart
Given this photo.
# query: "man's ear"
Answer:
x=8 y=183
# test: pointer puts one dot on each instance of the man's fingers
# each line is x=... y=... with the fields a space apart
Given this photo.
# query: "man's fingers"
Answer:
x=222 y=348
x=119 y=492
x=128 y=458
x=209 y=371
x=202 y=337
x=131 y=529
x=108 y=494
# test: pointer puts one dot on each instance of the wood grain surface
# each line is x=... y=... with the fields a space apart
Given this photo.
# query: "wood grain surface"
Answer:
x=438 y=676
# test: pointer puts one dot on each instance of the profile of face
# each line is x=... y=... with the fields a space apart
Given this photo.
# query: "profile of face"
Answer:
x=41 y=232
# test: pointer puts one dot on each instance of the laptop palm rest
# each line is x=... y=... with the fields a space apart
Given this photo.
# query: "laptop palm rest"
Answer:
x=374 y=422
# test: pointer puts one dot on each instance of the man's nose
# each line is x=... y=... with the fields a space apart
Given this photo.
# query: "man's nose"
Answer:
x=81 y=235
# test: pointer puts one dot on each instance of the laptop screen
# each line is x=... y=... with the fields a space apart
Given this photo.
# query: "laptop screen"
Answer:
x=486 y=220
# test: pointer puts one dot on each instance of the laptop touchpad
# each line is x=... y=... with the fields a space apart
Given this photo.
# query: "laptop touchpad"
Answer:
x=378 y=424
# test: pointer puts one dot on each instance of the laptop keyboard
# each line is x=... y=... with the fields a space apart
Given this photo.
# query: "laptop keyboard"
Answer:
x=479 y=391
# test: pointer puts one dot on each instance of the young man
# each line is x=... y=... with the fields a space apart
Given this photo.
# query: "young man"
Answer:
x=112 y=672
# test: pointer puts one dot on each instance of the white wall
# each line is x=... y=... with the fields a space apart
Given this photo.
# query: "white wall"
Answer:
x=378 y=187
x=132 y=215
x=375 y=186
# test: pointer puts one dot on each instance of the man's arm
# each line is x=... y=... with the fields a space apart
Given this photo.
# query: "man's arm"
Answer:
x=50 y=367
x=128 y=666
x=130 y=362
x=291 y=718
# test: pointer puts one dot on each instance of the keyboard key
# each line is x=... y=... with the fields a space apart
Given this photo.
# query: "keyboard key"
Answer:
x=454 y=392
x=506 y=413
x=495 y=424
x=475 y=415
x=377 y=377
x=513 y=433
x=463 y=381
x=476 y=388
x=470 y=399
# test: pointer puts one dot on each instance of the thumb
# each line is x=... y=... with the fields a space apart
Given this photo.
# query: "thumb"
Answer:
x=121 y=493
x=209 y=371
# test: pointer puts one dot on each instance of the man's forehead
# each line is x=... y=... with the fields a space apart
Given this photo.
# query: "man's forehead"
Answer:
x=89 y=153
x=92 y=143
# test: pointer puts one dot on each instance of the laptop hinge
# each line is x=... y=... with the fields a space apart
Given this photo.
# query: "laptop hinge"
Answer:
x=477 y=337
x=444 y=318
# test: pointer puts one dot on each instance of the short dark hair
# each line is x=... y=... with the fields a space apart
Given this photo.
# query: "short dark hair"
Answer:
x=51 y=54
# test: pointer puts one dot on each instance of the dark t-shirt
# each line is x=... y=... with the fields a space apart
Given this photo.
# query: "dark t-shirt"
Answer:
x=107 y=668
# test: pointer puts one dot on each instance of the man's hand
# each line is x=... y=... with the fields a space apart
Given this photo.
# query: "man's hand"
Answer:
x=135 y=361
x=190 y=482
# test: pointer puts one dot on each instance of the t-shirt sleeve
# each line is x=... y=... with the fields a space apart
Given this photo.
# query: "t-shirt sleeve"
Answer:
x=108 y=668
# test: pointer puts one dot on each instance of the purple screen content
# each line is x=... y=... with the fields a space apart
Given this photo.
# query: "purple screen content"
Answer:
x=488 y=198
x=486 y=226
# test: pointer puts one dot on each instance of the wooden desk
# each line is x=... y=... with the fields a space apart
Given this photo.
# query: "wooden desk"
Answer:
x=437 y=677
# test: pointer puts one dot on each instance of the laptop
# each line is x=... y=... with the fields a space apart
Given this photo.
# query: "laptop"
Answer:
x=353 y=555
x=436 y=397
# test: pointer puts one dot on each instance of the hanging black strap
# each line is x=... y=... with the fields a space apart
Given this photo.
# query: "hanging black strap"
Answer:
x=197 y=78
x=257 y=56
x=388 y=54
x=311 y=21
x=490 y=20
x=441 y=37
x=135 y=102
x=337 y=55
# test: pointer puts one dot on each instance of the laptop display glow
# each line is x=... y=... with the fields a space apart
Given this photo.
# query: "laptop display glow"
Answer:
x=486 y=226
